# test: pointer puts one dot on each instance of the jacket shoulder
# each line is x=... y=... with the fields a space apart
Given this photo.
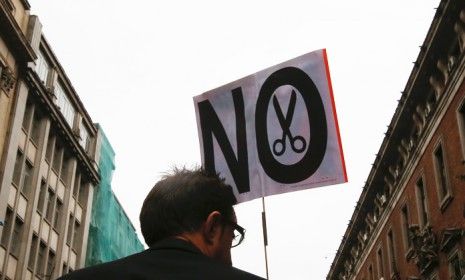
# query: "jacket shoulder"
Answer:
x=110 y=270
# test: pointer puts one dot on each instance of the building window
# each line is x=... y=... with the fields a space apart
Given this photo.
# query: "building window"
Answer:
x=32 y=252
x=461 y=123
x=26 y=187
x=392 y=253
x=82 y=192
x=405 y=228
x=456 y=269
x=57 y=156
x=57 y=217
x=65 y=269
x=42 y=68
x=66 y=168
x=16 y=237
x=77 y=184
x=43 y=191
x=80 y=189
x=41 y=260
x=17 y=169
x=22 y=177
x=85 y=138
x=380 y=260
x=441 y=176
x=76 y=239
x=50 y=146
x=371 y=273
x=27 y=116
x=32 y=115
x=50 y=205
x=7 y=226
x=36 y=128
x=64 y=104
x=50 y=265
x=422 y=202
x=70 y=230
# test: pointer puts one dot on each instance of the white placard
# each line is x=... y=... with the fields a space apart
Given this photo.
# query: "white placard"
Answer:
x=274 y=131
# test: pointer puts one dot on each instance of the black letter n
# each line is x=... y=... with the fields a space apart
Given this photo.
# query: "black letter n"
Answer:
x=211 y=125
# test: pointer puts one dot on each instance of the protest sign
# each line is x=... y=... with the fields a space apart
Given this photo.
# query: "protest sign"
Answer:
x=274 y=131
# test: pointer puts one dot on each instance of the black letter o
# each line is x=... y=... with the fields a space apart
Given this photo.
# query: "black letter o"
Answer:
x=318 y=135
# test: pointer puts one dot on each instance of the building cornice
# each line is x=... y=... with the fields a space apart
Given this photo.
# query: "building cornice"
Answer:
x=38 y=89
x=14 y=37
x=413 y=163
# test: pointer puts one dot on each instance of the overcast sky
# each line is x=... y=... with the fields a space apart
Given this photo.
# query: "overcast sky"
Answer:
x=137 y=64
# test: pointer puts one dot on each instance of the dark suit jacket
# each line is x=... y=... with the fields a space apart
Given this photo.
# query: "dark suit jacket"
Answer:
x=170 y=259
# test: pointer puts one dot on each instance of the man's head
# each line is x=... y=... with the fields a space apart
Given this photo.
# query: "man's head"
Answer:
x=192 y=205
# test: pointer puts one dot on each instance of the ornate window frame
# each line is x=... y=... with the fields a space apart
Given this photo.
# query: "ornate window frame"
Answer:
x=444 y=192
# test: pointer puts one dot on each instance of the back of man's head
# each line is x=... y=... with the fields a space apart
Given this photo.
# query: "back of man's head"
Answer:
x=181 y=201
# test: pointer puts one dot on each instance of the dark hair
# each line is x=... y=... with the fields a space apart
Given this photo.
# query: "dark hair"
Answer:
x=181 y=201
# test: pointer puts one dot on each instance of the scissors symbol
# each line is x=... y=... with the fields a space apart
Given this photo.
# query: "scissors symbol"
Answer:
x=279 y=145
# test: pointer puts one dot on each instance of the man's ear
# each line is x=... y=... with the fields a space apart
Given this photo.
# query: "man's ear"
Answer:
x=212 y=227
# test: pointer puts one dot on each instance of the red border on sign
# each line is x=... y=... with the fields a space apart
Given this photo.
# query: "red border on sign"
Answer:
x=325 y=58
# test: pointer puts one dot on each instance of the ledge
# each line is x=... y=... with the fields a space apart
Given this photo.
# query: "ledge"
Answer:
x=14 y=37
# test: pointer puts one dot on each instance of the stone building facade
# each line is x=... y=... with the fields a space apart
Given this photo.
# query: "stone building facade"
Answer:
x=409 y=222
x=48 y=148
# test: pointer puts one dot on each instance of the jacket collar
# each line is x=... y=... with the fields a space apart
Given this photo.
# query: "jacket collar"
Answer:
x=176 y=244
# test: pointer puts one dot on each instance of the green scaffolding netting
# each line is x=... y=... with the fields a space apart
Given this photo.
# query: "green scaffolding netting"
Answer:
x=111 y=233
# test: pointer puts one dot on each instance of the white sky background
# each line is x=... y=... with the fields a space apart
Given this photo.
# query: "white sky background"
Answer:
x=137 y=64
